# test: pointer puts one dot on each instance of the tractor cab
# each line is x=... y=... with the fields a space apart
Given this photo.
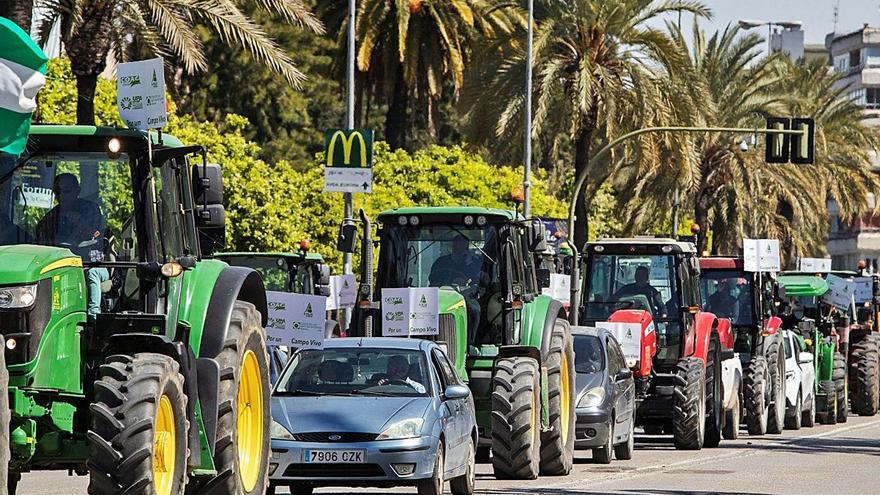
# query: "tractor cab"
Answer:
x=298 y=273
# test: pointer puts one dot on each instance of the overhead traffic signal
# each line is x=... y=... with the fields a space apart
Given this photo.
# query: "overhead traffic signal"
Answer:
x=777 y=144
x=803 y=147
x=790 y=148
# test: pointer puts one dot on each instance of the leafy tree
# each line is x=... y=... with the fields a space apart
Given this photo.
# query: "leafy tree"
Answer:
x=592 y=80
x=92 y=30
x=18 y=11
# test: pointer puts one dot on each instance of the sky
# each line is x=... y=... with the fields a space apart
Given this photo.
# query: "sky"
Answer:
x=817 y=15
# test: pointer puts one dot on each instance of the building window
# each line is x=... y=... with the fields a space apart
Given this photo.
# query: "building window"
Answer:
x=855 y=59
x=872 y=98
x=841 y=63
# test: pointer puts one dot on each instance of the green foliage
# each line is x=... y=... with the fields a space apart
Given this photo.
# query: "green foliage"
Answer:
x=57 y=99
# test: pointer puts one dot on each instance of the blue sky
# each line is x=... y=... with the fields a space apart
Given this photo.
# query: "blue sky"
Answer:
x=817 y=15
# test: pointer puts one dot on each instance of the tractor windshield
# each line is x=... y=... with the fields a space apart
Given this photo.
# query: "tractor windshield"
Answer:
x=279 y=273
x=439 y=256
x=728 y=294
x=632 y=282
x=73 y=200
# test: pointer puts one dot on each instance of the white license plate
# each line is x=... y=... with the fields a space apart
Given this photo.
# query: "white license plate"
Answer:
x=325 y=456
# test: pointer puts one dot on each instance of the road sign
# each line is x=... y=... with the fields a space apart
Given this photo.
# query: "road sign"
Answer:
x=349 y=160
x=140 y=94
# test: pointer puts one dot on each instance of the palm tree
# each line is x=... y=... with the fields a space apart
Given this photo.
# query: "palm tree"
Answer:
x=18 y=11
x=93 y=29
x=408 y=49
x=593 y=80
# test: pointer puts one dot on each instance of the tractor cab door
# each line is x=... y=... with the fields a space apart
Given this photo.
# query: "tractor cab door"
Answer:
x=518 y=279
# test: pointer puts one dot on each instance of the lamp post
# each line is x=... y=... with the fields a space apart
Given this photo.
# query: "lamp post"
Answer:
x=527 y=172
x=751 y=24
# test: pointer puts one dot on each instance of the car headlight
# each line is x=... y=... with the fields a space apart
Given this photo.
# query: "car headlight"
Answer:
x=592 y=398
x=277 y=430
x=18 y=297
x=408 y=428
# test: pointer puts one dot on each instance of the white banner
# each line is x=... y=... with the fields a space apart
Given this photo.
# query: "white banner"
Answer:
x=814 y=265
x=629 y=336
x=296 y=320
x=761 y=255
x=343 y=292
x=348 y=179
x=560 y=287
x=140 y=94
x=412 y=311
x=840 y=292
x=864 y=289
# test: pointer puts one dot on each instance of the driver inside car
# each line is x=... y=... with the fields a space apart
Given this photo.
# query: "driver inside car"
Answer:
x=641 y=287
x=397 y=369
x=74 y=223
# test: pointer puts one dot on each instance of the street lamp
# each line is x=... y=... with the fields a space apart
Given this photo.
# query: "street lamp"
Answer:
x=751 y=24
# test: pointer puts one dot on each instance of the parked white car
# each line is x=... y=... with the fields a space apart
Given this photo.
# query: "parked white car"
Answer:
x=731 y=380
x=800 y=388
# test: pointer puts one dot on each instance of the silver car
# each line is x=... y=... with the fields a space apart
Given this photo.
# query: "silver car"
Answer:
x=377 y=412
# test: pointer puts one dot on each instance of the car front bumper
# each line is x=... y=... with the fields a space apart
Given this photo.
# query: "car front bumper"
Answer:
x=381 y=466
x=591 y=428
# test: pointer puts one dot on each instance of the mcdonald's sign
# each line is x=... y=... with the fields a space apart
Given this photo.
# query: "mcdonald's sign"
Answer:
x=348 y=148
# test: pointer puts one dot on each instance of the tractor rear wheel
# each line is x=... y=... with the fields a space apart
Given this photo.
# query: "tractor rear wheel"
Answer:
x=138 y=435
x=827 y=413
x=241 y=454
x=865 y=375
x=516 y=418
x=714 y=394
x=838 y=374
x=689 y=405
x=755 y=381
x=776 y=367
x=557 y=443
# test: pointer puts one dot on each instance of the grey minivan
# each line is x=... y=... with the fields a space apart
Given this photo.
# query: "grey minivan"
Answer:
x=377 y=412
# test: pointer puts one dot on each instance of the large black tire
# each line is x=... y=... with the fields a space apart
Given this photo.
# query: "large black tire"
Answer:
x=730 y=431
x=516 y=418
x=689 y=405
x=714 y=394
x=755 y=382
x=827 y=413
x=838 y=374
x=794 y=416
x=139 y=400
x=776 y=367
x=464 y=484
x=865 y=376
x=245 y=340
x=557 y=443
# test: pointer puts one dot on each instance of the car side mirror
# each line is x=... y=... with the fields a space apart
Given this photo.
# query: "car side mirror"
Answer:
x=805 y=358
x=456 y=392
x=624 y=374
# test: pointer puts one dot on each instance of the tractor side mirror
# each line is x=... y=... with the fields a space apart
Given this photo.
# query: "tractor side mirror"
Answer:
x=543 y=276
x=207 y=188
x=535 y=233
x=347 y=242
x=323 y=282
x=207 y=184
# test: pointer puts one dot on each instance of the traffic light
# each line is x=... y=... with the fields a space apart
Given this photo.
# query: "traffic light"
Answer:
x=802 y=147
x=777 y=144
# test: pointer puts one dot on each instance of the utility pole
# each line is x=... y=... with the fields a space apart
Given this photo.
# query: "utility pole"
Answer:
x=527 y=174
x=349 y=124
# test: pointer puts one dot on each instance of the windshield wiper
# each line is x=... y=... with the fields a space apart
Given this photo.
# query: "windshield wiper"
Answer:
x=300 y=391
x=371 y=392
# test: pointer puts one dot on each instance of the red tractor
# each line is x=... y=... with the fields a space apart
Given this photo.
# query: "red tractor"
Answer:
x=747 y=299
x=650 y=287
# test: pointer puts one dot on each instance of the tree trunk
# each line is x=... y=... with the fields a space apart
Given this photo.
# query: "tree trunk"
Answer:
x=85 y=98
x=701 y=218
x=396 y=118
x=581 y=158
x=19 y=12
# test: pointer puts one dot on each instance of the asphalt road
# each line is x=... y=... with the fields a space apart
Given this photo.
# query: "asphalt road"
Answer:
x=839 y=459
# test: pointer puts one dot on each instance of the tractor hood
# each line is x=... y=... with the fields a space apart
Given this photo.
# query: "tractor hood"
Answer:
x=450 y=301
x=27 y=263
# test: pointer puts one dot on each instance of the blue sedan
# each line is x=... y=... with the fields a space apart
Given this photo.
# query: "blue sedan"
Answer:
x=377 y=412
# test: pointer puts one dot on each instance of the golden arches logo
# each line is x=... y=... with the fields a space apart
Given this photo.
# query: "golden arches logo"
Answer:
x=347 y=143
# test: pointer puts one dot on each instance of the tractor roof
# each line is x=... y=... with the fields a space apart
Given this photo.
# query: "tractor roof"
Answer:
x=798 y=285
x=298 y=256
x=508 y=215
x=647 y=243
x=839 y=273
x=721 y=263
x=101 y=131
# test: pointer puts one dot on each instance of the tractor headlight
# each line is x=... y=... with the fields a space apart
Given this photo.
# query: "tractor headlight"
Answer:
x=280 y=432
x=21 y=297
x=408 y=428
x=592 y=398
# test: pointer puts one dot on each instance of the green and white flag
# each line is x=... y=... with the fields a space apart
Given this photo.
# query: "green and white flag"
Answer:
x=22 y=74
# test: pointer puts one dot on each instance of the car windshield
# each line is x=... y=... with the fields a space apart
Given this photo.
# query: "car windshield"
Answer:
x=356 y=371
x=631 y=282
x=588 y=355
x=73 y=200
x=728 y=294
x=439 y=256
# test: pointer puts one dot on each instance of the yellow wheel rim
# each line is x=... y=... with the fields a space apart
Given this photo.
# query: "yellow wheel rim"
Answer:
x=250 y=421
x=564 y=398
x=164 y=448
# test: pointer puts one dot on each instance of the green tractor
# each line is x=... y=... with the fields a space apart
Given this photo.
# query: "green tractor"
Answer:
x=510 y=343
x=131 y=358
x=816 y=321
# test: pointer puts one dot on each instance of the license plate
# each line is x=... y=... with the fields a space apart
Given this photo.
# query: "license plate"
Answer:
x=324 y=456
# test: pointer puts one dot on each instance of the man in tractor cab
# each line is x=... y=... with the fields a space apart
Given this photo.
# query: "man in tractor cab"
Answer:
x=722 y=302
x=463 y=268
x=77 y=224
x=641 y=287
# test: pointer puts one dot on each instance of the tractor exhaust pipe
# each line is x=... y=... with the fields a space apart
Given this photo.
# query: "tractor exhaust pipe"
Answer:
x=574 y=302
x=365 y=302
